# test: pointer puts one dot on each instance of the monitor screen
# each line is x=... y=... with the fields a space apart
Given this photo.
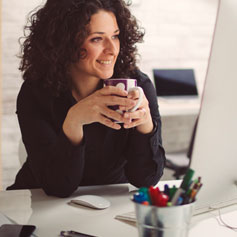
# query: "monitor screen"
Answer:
x=214 y=155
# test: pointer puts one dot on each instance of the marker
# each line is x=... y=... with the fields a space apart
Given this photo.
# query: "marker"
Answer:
x=146 y=203
x=194 y=193
x=187 y=178
x=172 y=192
x=193 y=183
x=183 y=187
x=186 y=199
x=154 y=194
x=167 y=190
x=139 y=197
x=179 y=201
x=146 y=193
x=191 y=186
x=158 y=198
x=163 y=200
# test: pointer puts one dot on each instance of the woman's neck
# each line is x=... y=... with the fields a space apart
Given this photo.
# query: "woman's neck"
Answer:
x=83 y=87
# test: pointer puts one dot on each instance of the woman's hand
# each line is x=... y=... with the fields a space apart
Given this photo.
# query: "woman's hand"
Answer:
x=141 y=118
x=94 y=108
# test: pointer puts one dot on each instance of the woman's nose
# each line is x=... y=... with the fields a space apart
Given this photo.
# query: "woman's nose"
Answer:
x=111 y=47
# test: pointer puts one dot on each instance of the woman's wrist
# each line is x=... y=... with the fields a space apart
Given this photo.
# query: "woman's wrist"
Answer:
x=74 y=136
x=72 y=129
x=146 y=128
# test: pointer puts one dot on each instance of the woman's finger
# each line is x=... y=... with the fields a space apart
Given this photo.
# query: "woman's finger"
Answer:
x=133 y=94
x=133 y=123
x=136 y=118
x=128 y=107
x=112 y=114
x=138 y=114
x=108 y=122
x=112 y=90
x=120 y=101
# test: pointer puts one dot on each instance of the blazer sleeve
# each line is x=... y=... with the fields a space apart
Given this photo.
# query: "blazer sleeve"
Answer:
x=145 y=153
x=55 y=163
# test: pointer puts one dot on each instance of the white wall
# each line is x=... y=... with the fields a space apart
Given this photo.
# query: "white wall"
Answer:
x=13 y=19
x=178 y=34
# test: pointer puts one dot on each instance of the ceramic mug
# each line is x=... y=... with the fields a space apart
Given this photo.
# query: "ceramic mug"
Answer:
x=128 y=85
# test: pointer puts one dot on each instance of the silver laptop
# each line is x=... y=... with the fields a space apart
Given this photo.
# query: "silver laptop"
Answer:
x=214 y=155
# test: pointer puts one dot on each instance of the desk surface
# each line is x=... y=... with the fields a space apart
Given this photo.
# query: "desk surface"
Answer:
x=51 y=214
x=175 y=107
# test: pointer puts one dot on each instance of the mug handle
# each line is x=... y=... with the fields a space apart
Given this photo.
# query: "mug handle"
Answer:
x=139 y=99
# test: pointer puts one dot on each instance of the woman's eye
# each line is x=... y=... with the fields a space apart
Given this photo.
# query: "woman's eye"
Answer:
x=116 y=37
x=96 y=39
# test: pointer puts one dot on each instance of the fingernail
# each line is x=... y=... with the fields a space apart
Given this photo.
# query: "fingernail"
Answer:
x=118 y=127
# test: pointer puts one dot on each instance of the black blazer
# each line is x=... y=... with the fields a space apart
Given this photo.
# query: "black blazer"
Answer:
x=105 y=156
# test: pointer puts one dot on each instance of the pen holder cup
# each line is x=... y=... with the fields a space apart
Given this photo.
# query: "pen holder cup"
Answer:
x=155 y=221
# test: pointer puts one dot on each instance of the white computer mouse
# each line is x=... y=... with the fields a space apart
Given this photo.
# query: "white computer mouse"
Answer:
x=92 y=201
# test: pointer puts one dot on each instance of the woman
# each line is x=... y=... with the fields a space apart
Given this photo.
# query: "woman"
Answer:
x=62 y=107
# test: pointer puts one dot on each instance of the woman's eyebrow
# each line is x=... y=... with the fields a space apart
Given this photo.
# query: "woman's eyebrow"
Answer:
x=101 y=33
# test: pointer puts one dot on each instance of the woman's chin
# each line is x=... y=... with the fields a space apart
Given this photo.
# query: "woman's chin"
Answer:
x=106 y=76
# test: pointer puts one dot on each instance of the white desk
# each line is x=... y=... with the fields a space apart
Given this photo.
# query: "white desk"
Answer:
x=51 y=214
x=172 y=107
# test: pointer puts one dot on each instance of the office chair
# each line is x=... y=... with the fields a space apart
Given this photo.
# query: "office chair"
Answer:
x=180 y=162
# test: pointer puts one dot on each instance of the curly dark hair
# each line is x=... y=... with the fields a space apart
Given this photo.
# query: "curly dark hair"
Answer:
x=54 y=34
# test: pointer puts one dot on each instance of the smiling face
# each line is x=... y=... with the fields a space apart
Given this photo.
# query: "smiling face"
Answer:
x=102 y=48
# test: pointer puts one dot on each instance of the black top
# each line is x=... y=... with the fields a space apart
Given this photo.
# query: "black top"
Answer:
x=105 y=156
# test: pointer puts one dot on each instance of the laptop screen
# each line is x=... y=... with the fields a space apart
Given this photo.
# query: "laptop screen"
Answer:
x=175 y=82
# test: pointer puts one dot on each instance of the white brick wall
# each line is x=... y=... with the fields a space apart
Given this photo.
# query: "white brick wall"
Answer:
x=178 y=35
